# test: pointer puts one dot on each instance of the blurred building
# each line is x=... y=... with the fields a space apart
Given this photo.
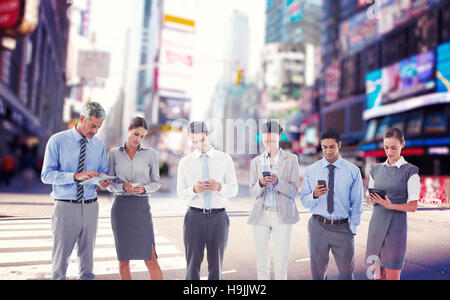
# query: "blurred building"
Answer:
x=289 y=63
x=386 y=65
x=79 y=34
x=33 y=79
x=236 y=58
x=166 y=70
x=235 y=101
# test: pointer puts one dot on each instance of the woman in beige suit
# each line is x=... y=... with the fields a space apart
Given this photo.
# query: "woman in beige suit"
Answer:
x=274 y=181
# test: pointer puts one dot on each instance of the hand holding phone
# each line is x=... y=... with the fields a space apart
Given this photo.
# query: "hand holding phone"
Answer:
x=321 y=189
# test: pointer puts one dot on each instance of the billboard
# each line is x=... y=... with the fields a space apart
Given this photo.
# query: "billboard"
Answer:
x=373 y=89
x=443 y=68
x=406 y=78
x=93 y=64
x=295 y=9
x=332 y=82
x=176 y=60
x=172 y=108
x=9 y=13
x=357 y=32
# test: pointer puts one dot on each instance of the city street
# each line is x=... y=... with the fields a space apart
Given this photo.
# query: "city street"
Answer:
x=26 y=241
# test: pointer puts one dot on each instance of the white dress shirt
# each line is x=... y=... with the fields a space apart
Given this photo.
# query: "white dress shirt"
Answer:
x=221 y=169
x=413 y=181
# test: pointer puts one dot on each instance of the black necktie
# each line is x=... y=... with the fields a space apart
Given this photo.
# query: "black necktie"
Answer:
x=80 y=169
x=330 y=200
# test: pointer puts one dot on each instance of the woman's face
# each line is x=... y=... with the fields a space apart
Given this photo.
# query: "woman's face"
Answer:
x=393 y=148
x=135 y=136
x=271 y=141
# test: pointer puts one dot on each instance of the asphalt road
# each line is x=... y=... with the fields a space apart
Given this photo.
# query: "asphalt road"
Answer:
x=428 y=254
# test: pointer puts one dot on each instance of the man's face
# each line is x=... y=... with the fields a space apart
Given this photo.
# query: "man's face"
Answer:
x=330 y=149
x=89 y=127
x=200 y=142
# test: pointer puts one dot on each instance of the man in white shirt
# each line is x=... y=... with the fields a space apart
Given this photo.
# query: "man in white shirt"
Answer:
x=206 y=179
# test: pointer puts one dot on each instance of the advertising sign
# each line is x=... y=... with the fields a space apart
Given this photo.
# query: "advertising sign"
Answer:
x=332 y=82
x=443 y=68
x=373 y=89
x=295 y=8
x=408 y=77
x=93 y=64
x=9 y=13
x=171 y=109
x=403 y=79
x=176 y=63
x=434 y=190
x=357 y=32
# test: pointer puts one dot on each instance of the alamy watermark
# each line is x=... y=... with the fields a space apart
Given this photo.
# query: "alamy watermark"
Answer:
x=233 y=136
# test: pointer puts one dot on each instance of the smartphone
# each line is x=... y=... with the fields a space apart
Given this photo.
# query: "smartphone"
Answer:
x=205 y=180
x=265 y=173
x=380 y=192
x=322 y=182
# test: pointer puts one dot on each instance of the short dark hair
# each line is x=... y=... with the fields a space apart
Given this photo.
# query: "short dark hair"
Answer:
x=395 y=132
x=137 y=122
x=330 y=133
x=198 y=127
x=272 y=127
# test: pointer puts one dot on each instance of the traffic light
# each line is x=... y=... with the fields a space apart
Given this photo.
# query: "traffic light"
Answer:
x=239 y=77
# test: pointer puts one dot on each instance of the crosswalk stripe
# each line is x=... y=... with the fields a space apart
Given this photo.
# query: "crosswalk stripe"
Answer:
x=48 y=242
x=26 y=251
x=37 y=233
x=43 y=221
x=43 y=271
x=21 y=257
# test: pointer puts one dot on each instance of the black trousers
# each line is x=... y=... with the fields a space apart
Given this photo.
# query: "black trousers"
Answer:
x=202 y=230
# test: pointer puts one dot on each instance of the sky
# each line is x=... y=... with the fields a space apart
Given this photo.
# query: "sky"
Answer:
x=111 y=18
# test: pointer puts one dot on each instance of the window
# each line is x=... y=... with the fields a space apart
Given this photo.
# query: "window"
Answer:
x=414 y=126
x=435 y=122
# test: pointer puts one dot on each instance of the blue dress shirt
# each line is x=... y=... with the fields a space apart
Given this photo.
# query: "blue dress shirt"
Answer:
x=270 y=195
x=62 y=154
x=348 y=191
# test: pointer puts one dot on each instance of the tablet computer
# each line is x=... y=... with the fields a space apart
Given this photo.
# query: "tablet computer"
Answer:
x=380 y=192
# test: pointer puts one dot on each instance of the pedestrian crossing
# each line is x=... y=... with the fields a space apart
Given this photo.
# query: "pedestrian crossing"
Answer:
x=26 y=251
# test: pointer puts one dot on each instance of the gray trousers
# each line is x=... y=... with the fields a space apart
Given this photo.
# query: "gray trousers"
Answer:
x=74 y=224
x=200 y=231
x=337 y=238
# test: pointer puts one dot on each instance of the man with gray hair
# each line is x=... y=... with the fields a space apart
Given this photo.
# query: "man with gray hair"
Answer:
x=70 y=157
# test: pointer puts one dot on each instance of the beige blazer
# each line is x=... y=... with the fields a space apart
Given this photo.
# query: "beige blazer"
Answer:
x=287 y=188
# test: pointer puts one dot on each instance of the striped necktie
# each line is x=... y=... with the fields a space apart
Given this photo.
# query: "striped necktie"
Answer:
x=80 y=169
x=206 y=194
